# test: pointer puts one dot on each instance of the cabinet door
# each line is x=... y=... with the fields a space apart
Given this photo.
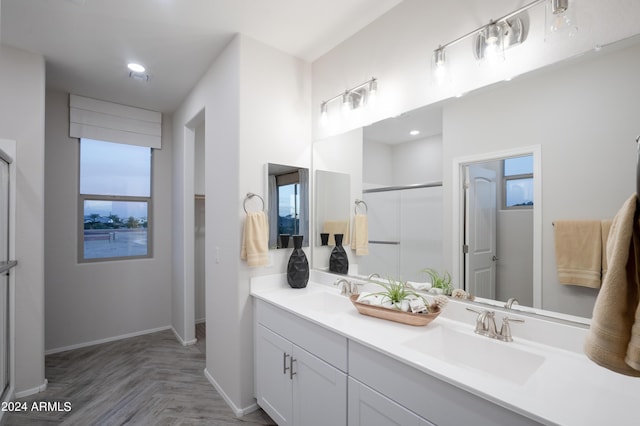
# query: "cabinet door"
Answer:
x=319 y=391
x=370 y=408
x=273 y=381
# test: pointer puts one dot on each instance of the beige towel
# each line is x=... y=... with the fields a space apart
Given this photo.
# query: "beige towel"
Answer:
x=255 y=239
x=605 y=227
x=360 y=240
x=579 y=252
x=333 y=227
x=613 y=340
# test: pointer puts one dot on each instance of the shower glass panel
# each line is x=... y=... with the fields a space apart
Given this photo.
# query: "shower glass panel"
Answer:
x=405 y=232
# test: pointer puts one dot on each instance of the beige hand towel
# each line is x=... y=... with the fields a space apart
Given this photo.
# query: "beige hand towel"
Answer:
x=333 y=227
x=579 y=252
x=605 y=227
x=360 y=240
x=613 y=340
x=255 y=239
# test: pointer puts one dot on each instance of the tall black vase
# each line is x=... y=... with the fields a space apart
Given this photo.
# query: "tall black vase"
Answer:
x=338 y=261
x=298 y=267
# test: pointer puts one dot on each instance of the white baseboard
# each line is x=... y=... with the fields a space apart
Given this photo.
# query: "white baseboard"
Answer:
x=106 y=340
x=239 y=412
x=182 y=341
x=32 y=391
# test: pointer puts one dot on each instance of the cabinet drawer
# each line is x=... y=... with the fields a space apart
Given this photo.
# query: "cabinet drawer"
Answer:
x=427 y=396
x=325 y=344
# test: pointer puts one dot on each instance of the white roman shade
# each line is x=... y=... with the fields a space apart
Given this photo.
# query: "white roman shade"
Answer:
x=106 y=121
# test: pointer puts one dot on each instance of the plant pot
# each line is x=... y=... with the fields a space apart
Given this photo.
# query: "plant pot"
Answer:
x=298 y=266
x=338 y=261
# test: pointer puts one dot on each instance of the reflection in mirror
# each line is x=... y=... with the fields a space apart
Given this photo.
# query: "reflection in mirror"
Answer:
x=332 y=206
x=288 y=200
x=580 y=112
x=498 y=229
x=402 y=174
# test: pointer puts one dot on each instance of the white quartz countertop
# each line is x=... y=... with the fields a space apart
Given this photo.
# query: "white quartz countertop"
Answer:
x=556 y=386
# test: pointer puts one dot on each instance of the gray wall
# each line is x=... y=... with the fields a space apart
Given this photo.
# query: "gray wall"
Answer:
x=94 y=301
x=22 y=114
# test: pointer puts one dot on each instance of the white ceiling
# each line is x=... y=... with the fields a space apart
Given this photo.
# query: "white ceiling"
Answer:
x=87 y=43
x=427 y=120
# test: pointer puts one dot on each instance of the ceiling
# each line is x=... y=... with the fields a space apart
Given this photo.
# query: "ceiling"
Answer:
x=88 y=43
x=395 y=130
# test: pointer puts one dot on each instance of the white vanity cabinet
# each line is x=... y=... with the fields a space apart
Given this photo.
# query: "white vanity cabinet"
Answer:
x=430 y=398
x=299 y=370
x=370 y=408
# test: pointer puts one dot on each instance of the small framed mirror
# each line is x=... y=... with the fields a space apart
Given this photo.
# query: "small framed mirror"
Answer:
x=288 y=204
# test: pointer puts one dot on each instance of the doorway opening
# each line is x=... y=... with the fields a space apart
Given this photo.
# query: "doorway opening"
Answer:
x=497 y=216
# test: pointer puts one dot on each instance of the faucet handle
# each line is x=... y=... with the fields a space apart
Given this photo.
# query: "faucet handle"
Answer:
x=505 y=329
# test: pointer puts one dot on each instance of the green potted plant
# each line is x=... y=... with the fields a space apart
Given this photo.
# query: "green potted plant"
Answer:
x=440 y=282
x=398 y=295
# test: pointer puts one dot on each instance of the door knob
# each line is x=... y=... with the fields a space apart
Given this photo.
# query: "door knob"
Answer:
x=494 y=258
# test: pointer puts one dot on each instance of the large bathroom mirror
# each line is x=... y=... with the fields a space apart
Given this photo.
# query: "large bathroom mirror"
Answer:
x=332 y=206
x=288 y=204
x=580 y=114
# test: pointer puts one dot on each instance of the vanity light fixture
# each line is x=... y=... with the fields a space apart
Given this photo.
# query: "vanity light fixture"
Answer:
x=500 y=34
x=354 y=98
x=414 y=132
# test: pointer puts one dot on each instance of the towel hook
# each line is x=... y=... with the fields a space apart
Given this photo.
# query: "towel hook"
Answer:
x=360 y=202
x=249 y=196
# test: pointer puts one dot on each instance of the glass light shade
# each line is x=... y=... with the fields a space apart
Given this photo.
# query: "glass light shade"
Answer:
x=560 y=20
x=347 y=102
x=439 y=66
x=492 y=47
x=324 y=113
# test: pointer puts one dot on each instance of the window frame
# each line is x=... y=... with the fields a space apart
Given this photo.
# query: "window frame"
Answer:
x=505 y=181
x=122 y=198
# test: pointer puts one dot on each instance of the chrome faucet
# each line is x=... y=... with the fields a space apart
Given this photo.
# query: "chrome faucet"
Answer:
x=510 y=302
x=505 y=329
x=486 y=325
x=346 y=288
x=374 y=275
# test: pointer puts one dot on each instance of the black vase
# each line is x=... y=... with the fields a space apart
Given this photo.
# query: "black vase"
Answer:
x=338 y=261
x=298 y=267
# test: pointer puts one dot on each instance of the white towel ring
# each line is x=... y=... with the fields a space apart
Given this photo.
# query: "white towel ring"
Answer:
x=249 y=196
x=358 y=203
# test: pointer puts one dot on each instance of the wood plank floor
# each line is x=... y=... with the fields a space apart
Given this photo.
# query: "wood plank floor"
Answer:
x=145 y=380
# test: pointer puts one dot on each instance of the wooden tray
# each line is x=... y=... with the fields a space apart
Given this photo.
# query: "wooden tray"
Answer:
x=392 y=314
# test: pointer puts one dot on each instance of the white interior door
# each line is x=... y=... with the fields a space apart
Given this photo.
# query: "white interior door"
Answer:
x=480 y=231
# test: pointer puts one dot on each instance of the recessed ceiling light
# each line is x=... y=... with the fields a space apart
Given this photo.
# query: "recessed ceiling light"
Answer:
x=414 y=132
x=135 y=67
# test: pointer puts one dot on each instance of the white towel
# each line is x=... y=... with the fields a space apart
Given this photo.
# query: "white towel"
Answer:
x=360 y=240
x=255 y=240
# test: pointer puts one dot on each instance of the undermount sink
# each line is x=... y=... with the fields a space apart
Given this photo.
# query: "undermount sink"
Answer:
x=482 y=354
x=325 y=302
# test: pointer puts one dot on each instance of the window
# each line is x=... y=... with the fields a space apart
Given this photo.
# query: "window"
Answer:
x=288 y=203
x=114 y=201
x=518 y=182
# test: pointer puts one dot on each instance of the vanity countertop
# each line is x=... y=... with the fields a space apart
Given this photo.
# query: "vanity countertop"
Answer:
x=560 y=387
